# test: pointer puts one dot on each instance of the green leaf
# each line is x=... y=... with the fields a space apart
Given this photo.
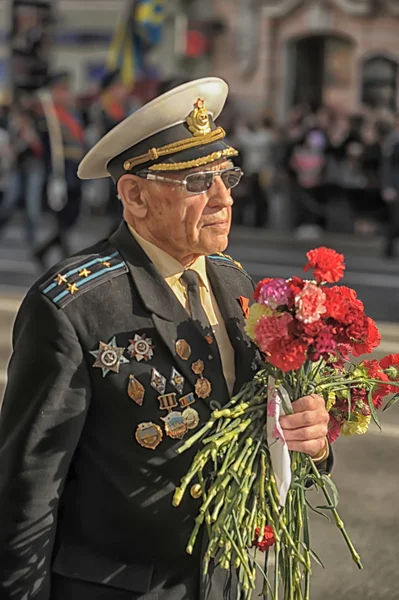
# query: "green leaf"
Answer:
x=391 y=402
x=372 y=410
x=319 y=512
x=316 y=558
x=349 y=403
x=329 y=482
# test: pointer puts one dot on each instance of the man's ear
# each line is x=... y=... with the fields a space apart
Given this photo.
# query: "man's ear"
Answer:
x=130 y=191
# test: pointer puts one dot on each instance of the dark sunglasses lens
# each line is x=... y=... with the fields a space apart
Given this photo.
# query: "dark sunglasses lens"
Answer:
x=231 y=177
x=199 y=182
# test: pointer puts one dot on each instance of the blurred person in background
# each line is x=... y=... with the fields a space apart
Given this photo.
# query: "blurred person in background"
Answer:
x=27 y=174
x=390 y=187
x=73 y=148
x=5 y=153
x=307 y=162
x=255 y=141
x=368 y=202
x=110 y=108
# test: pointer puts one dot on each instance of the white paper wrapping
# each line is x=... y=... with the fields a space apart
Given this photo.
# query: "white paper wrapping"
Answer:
x=279 y=453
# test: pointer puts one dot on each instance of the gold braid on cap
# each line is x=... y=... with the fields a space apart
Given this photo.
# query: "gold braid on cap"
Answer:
x=196 y=162
x=198 y=124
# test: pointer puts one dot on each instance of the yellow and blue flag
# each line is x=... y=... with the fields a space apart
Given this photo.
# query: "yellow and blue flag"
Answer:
x=139 y=29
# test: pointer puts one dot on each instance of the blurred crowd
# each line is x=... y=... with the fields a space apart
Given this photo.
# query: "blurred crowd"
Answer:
x=336 y=171
x=322 y=170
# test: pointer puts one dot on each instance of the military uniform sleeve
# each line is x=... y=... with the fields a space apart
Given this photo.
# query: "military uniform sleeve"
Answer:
x=43 y=413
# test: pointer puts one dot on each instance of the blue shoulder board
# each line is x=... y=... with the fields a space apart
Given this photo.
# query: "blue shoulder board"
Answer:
x=227 y=260
x=80 y=277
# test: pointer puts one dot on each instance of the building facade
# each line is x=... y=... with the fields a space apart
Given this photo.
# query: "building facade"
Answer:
x=276 y=54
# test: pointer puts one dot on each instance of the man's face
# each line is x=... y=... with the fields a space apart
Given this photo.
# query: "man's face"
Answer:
x=185 y=224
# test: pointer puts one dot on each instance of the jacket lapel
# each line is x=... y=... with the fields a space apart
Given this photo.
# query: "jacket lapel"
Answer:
x=170 y=319
x=225 y=291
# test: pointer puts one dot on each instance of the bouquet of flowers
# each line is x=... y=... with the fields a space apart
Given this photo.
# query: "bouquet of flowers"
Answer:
x=254 y=491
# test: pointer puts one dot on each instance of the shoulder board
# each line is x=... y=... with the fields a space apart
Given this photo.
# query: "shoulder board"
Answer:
x=80 y=277
x=226 y=259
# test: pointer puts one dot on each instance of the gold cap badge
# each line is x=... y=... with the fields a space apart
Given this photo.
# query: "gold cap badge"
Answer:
x=198 y=119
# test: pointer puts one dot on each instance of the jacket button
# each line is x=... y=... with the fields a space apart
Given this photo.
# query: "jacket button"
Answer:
x=196 y=491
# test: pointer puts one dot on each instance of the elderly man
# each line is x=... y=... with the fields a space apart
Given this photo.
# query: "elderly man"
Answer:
x=118 y=353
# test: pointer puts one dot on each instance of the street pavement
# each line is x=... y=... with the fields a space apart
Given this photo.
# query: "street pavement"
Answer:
x=366 y=469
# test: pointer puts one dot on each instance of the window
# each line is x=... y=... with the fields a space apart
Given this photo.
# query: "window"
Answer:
x=379 y=82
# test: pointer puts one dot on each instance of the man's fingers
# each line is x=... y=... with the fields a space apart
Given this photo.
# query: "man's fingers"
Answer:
x=311 y=447
x=305 y=433
x=311 y=402
x=304 y=419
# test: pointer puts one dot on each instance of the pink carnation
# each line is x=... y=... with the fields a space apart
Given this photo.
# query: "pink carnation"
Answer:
x=271 y=329
x=310 y=303
x=275 y=293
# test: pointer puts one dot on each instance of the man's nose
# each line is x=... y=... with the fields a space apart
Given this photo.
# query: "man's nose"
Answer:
x=219 y=194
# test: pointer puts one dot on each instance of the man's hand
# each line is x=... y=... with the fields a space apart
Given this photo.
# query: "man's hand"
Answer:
x=306 y=429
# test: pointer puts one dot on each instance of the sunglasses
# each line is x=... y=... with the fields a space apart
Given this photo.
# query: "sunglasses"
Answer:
x=201 y=182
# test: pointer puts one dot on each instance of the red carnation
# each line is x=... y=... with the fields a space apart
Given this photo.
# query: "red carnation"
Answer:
x=371 y=341
x=259 y=287
x=350 y=295
x=336 y=304
x=375 y=371
x=288 y=354
x=296 y=284
x=391 y=360
x=268 y=538
x=324 y=344
x=334 y=429
x=328 y=265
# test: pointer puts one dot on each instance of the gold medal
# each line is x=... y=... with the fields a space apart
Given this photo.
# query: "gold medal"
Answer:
x=175 y=425
x=191 y=418
x=198 y=367
x=203 y=388
x=183 y=349
x=148 y=435
x=135 y=390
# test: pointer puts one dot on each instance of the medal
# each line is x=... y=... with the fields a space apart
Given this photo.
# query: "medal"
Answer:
x=175 y=425
x=158 y=381
x=209 y=339
x=167 y=401
x=149 y=435
x=198 y=367
x=191 y=418
x=109 y=357
x=177 y=380
x=186 y=400
x=203 y=388
x=183 y=349
x=135 y=390
x=141 y=347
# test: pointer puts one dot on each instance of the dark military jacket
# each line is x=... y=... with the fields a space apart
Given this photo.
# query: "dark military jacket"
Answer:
x=88 y=466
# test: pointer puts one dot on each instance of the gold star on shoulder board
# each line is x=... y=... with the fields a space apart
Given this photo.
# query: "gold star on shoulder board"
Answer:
x=60 y=279
x=72 y=288
x=84 y=273
x=107 y=264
